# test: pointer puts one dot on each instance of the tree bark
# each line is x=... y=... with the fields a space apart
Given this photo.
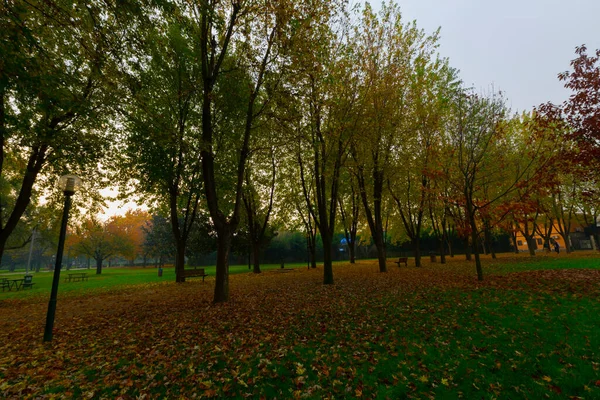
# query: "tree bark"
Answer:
x=475 y=239
x=513 y=236
x=352 y=251
x=443 y=240
x=256 y=257
x=416 y=244
x=221 y=293
x=99 y=265
x=374 y=218
x=488 y=239
x=467 y=249
x=327 y=259
x=37 y=159
x=312 y=249
x=180 y=261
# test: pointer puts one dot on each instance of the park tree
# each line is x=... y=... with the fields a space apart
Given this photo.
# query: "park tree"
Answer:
x=294 y=206
x=325 y=93
x=438 y=202
x=579 y=116
x=130 y=226
x=405 y=90
x=158 y=239
x=489 y=150
x=563 y=205
x=541 y=158
x=100 y=241
x=350 y=207
x=473 y=136
x=384 y=48
x=426 y=106
x=54 y=94
x=258 y=35
x=209 y=71
x=161 y=77
x=589 y=201
x=525 y=216
x=258 y=196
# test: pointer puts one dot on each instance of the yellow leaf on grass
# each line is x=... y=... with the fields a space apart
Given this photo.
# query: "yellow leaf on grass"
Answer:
x=424 y=379
x=547 y=379
x=444 y=381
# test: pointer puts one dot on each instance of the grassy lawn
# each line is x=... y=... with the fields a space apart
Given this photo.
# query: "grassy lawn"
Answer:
x=530 y=330
x=111 y=279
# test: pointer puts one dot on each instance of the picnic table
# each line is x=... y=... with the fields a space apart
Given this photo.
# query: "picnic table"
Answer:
x=17 y=284
x=11 y=284
x=77 y=277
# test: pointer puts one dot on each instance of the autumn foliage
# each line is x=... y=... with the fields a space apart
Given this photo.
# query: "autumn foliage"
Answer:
x=580 y=114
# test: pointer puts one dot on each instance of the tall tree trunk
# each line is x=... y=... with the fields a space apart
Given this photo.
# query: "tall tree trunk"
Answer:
x=313 y=257
x=416 y=244
x=180 y=261
x=443 y=240
x=352 y=250
x=513 y=236
x=475 y=239
x=221 y=293
x=37 y=159
x=99 y=265
x=374 y=217
x=312 y=249
x=467 y=249
x=379 y=238
x=442 y=253
x=256 y=257
x=531 y=246
x=351 y=227
x=327 y=259
x=488 y=239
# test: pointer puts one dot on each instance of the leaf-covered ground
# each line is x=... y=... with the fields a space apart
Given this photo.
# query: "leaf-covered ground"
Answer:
x=433 y=332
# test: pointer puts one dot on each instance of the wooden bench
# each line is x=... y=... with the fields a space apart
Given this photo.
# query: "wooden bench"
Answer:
x=402 y=260
x=77 y=277
x=194 y=273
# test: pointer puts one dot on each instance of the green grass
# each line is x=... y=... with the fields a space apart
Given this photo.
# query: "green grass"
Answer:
x=111 y=278
x=502 y=342
x=523 y=262
x=114 y=278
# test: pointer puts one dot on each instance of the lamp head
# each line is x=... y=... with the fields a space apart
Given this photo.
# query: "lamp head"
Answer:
x=69 y=183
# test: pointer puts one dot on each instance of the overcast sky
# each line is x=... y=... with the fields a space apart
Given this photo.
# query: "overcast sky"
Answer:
x=519 y=47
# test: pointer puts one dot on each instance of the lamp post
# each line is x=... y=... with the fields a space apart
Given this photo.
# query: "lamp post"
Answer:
x=68 y=184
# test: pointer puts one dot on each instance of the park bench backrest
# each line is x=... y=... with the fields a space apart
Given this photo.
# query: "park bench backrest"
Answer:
x=194 y=272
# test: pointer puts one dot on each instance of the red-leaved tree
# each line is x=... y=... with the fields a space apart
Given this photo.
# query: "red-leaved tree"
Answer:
x=580 y=114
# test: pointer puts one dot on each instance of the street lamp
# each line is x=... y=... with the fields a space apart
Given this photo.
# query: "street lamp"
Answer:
x=68 y=184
